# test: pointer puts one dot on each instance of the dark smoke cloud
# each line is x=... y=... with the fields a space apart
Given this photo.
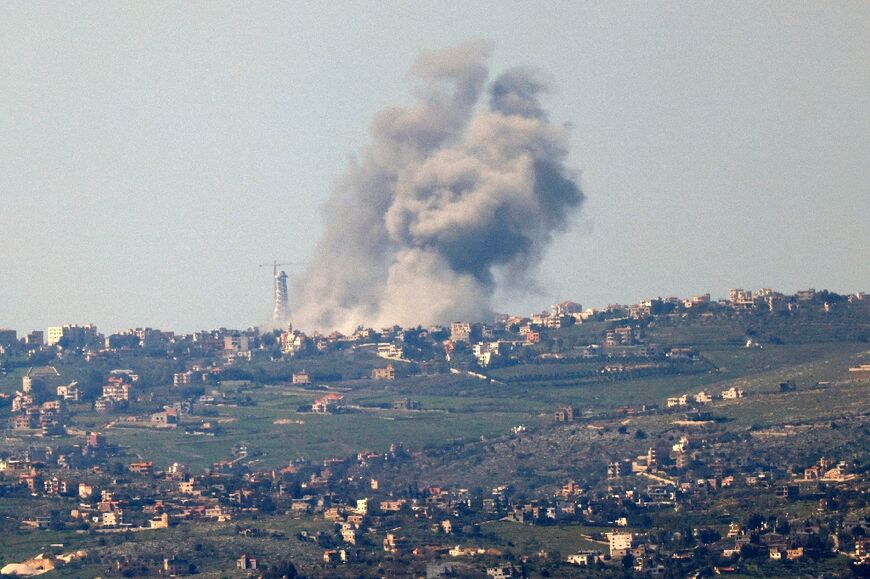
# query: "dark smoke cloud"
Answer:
x=449 y=192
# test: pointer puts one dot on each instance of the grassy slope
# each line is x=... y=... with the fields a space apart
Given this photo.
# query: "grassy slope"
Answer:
x=469 y=409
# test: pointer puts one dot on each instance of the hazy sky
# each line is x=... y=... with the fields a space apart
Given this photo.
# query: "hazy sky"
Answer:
x=152 y=154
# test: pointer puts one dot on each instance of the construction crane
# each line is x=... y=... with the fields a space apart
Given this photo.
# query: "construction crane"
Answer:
x=281 y=313
x=276 y=264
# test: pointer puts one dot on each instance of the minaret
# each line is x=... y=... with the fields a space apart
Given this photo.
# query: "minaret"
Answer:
x=281 y=312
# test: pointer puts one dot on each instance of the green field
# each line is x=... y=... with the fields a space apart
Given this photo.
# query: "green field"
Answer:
x=219 y=542
x=457 y=409
x=563 y=539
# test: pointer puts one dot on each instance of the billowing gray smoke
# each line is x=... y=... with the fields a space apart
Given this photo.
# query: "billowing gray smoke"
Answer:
x=451 y=194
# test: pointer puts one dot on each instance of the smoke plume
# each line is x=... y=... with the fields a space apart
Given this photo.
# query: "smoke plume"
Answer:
x=451 y=194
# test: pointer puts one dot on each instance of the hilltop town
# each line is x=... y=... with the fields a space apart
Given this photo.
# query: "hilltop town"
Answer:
x=674 y=437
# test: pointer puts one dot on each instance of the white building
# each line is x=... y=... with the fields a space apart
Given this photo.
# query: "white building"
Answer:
x=69 y=392
x=390 y=351
x=678 y=401
x=703 y=398
x=732 y=393
x=583 y=558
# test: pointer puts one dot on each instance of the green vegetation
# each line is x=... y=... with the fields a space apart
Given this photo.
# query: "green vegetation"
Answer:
x=561 y=539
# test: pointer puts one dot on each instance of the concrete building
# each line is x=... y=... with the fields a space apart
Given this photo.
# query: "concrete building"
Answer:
x=732 y=393
x=76 y=336
x=386 y=373
x=329 y=404
x=301 y=377
x=236 y=343
x=69 y=392
x=34 y=338
x=8 y=337
x=460 y=331
x=620 y=544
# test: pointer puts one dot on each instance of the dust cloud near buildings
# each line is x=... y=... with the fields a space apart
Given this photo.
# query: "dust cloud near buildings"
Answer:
x=454 y=195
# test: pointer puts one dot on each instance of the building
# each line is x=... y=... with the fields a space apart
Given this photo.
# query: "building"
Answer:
x=246 y=562
x=348 y=534
x=159 y=522
x=677 y=401
x=237 y=344
x=8 y=337
x=126 y=341
x=116 y=390
x=34 y=338
x=460 y=331
x=565 y=308
x=182 y=378
x=112 y=519
x=696 y=300
x=329 y=404
x=386 y=373
x=165 y=418
x=69 y=392
x=502 y=572
x=362 y=506
x=394 y=543
x=406 y=404
x=301 y=377
x=73 y=335
x=732 y=393
x=293 y=342
x=740 y=298
x=624 y=336
x=584 y=558
x=96 y=440
x=703 y=398
x=142 y=467
x=103 y=404
x=620 y=544
x=734 y=530
x=390 y=351
x=614 y=469
x=787 y=492
x=53 y=335
x=564 y=414
x=556 y=322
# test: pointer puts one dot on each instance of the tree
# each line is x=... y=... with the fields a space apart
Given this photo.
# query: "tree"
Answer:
x=281 y=570
x=192 y=392
x=709 y=536
x=267 y=505
x=754 y=522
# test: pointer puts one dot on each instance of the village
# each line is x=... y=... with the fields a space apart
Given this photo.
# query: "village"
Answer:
x=670 y=483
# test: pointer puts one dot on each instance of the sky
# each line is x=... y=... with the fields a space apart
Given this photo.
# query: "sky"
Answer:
x=153 y=155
